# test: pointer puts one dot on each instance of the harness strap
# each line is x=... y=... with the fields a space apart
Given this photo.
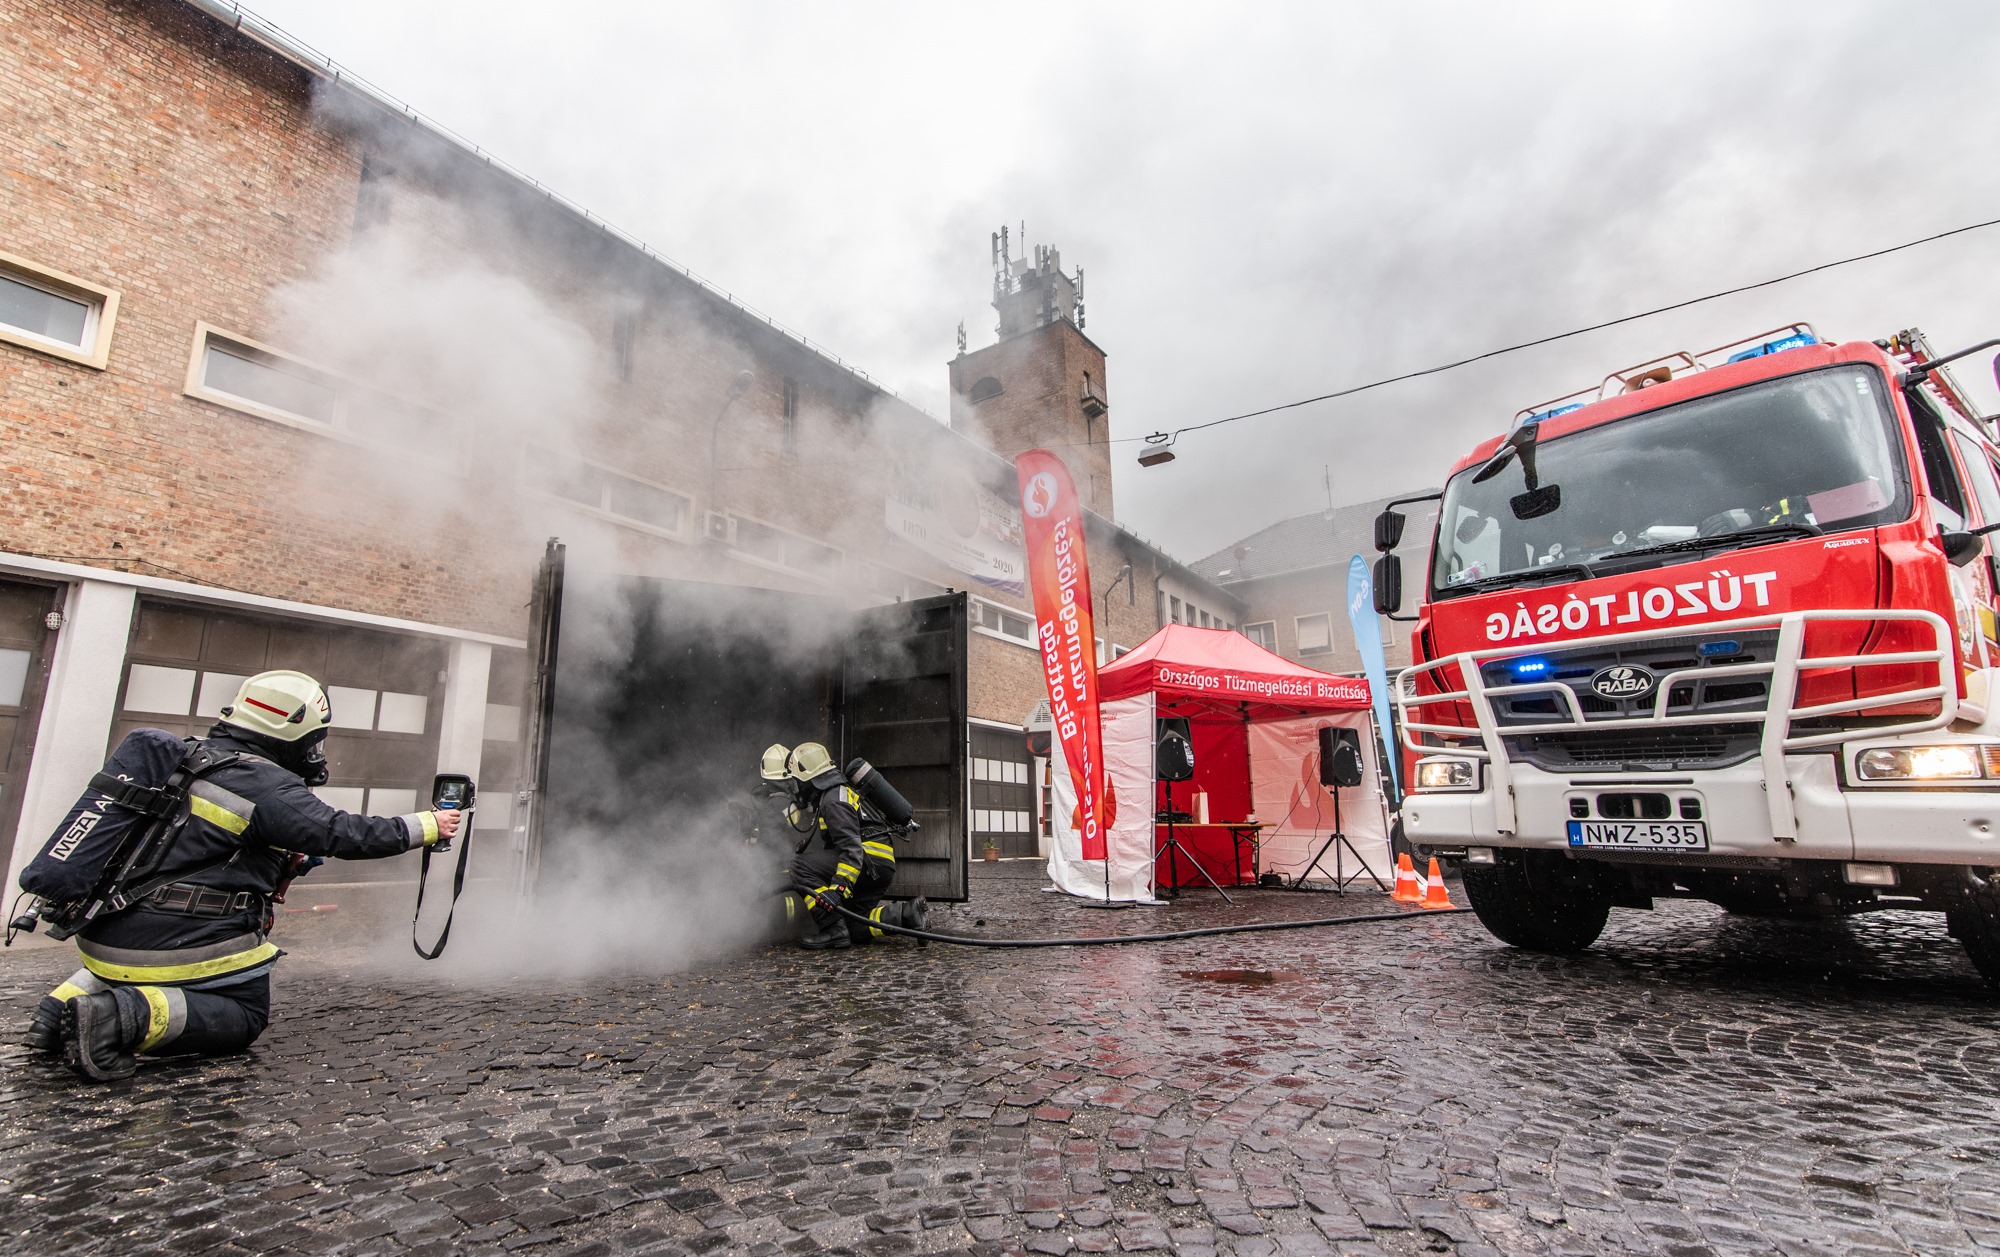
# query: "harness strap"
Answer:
x=457 y=887
x=187 y=899
x=151 y=800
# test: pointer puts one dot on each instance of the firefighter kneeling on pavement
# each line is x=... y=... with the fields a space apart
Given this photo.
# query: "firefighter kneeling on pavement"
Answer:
x=847 y=858
x=185 y=968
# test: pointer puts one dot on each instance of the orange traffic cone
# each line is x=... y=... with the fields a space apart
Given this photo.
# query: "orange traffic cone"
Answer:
x=1409 y=888
x=1434 y=891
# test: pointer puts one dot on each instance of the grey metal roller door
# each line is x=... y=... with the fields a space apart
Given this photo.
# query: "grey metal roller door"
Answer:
x=387 y=690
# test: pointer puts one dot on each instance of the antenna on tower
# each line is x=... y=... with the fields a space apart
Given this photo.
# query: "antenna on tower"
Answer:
x=961 y=336
x=1079 y=298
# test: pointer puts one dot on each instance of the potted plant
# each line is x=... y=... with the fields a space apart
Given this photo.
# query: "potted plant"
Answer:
x=992 y=852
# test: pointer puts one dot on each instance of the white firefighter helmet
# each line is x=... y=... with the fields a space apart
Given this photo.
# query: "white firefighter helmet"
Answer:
x=284 y=705
x=775 y=757
x=809 y=760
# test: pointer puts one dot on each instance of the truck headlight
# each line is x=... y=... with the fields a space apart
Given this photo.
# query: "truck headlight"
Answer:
x=1447 y=774
x=1920 y=763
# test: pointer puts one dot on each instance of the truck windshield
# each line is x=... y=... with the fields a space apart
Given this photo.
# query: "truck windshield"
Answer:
x=1809 y=453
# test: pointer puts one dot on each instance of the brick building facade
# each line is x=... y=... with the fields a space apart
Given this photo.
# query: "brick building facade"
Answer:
x=290 y=378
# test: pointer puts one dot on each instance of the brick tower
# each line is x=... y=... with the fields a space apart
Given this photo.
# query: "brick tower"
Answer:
x=1042 y=384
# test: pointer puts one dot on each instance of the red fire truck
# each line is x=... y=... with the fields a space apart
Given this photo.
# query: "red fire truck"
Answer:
x=1722 y=627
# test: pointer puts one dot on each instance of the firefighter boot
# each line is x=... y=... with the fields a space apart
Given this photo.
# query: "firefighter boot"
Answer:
x=101 y=1033
x=827 y=938
x=912 y=915
x=44 y=1033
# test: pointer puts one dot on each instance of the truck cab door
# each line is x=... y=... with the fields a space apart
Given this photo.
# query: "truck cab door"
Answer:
x=903 y=709
x=1980 y=572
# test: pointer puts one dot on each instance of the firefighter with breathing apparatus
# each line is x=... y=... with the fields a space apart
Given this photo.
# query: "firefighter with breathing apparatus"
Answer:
x=175 y=949
x=854 y=859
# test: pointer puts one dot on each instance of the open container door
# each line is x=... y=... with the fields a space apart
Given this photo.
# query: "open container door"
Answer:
x=544 y=631
x=660 y=695
x=903 y=674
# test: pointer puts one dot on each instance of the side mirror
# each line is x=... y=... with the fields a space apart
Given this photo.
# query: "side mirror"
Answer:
x=1960 y=547
x=1389 y=530
x=1388 y=585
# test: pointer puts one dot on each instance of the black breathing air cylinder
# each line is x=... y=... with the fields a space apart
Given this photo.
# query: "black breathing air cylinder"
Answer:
x=875 y=788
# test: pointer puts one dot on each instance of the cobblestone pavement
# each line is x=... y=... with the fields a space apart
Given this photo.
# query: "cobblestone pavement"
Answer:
x=1699 y=1083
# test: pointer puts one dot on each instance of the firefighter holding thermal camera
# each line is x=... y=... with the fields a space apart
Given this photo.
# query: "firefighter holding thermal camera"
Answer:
x=179 y=960
x=848 y=857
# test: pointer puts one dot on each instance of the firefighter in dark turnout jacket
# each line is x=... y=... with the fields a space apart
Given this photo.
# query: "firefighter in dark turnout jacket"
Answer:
x=849 y=858
x=187 y=968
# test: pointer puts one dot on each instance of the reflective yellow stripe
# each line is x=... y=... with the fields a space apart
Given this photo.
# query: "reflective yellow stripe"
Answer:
x=850 y=798
x=845 y=871
x=182 y=973
x=219 y=817
x=880 y=850
x=876 y=916
x=67 y=992
x=159 y=1015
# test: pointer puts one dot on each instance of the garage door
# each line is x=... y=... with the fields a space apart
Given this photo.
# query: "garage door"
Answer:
x=387 y=692
x=24 y=666
x=1003 y=793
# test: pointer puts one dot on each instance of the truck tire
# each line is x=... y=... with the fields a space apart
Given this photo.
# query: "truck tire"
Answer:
x=1537 y=902
x=1977 y=929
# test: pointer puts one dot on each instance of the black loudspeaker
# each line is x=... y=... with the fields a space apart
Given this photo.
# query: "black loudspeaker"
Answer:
x=1339 y=757
x=1173 y=757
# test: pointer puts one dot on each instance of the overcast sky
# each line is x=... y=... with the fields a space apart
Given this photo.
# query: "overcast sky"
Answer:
x=1270 y=201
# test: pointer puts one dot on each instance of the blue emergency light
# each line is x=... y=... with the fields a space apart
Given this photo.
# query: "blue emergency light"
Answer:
x=1797 y=340
x=1530 y=669
x=1550 y=414
x=1715 y=650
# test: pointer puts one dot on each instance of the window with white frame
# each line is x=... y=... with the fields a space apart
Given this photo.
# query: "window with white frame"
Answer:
x=887 y=582
x=1315 y=634
x=56 y=314
x=1264 y=634
x=244 y=375
x=1003 y=622
x=623 y=498
x=1119 y=652
x=782 y=549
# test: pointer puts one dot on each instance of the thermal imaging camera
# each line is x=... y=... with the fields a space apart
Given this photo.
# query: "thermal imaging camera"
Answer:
x=452 y=792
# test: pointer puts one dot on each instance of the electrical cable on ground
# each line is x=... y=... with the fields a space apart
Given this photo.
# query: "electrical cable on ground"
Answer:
x=1168 y=438
x=1260 y=927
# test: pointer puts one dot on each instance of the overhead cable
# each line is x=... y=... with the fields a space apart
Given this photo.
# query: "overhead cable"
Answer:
x=1168 y=438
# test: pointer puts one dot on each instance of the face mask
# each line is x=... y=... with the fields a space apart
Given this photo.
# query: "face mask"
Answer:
x=314 y=770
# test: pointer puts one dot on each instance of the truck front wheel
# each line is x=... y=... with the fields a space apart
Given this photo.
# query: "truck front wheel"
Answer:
x=1537 y=901
x=1977 y=929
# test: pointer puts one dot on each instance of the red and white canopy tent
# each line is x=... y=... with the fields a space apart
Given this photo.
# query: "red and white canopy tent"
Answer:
x=1255 y=718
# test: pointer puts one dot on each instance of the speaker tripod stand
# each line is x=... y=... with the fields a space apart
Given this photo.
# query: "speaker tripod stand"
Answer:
x=1337 y=842
x=1173 y=850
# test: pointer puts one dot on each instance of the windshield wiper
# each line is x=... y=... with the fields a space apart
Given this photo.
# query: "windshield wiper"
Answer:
x=1565 y=571
x=1769 y=532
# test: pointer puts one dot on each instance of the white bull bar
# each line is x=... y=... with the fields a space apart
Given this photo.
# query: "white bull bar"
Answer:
x=1776 y=717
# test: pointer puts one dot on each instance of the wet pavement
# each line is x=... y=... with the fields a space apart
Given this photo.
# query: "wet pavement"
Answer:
x=1698 y=1083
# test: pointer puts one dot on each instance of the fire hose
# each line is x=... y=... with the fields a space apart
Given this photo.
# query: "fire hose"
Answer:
x=1256 y=927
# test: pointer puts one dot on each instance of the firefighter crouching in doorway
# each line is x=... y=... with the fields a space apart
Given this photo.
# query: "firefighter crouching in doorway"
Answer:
x=186 y=968
x=847 y=859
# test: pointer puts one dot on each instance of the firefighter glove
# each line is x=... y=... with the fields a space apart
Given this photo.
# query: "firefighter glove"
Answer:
x=825 y=906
